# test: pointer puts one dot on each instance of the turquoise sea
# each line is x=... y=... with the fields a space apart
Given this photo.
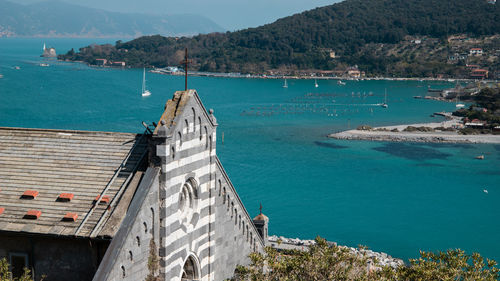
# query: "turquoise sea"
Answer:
x=393 y=197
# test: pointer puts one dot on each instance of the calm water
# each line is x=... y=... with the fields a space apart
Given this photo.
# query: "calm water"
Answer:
x=393 y=197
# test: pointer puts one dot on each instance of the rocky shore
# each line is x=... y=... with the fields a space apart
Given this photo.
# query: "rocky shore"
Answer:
x=400 y=133
x=375 y=259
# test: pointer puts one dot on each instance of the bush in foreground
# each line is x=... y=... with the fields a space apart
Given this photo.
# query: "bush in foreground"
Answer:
x=330 y=262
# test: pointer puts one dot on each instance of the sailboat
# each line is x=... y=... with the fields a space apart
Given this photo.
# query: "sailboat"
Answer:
x=145 y=93
x=316 y=84
x=459 y=105
x=285 y=85
x=384 y=105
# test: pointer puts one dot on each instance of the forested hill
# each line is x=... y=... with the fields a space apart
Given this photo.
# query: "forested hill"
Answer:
x=303 y=41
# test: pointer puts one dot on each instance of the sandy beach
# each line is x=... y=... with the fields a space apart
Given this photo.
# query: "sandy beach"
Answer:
x=385 y=134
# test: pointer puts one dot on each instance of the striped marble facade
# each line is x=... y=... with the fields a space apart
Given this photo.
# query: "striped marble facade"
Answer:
x=205 y=231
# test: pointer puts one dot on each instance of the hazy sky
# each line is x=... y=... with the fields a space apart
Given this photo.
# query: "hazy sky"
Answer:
x=230 y=14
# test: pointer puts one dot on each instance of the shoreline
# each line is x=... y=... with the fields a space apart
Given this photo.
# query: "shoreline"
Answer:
x=294 y=77
x=376 y=259
x=385 y=134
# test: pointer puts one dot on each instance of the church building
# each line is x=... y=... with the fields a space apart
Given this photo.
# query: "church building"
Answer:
x=80 y=205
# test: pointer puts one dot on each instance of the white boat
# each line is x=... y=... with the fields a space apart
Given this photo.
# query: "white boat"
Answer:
x=316 y=84
x=384 y=105
x=44 y=64
x=485 y=191
x=1 y=76
x=285 y=85
x=145 y=93
x=340 y=83
x=17 y=67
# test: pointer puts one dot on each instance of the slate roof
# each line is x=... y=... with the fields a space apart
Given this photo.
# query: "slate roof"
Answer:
x=51 y=162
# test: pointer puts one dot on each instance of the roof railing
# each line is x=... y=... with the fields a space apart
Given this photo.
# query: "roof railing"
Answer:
x=111 y=181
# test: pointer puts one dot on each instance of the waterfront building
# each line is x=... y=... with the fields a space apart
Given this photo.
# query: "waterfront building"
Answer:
x=101 y=62
x=476 y=52
x=79 y=205
x=479 y=73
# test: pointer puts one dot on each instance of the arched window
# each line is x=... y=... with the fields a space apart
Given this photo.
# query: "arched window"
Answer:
x=145 y=227
x=153 y=222
x=220 y=187
x=194 y=119
x=190 y=270
x=173 y=152
x=188 y=198
x=138 y=240
x=179 y=136
x=224 y=195
x=199 y=122
x=206 y=137
x=247 y=233
x=130 y=255
x=235 y=216
x=123 y=271
x=186 y=125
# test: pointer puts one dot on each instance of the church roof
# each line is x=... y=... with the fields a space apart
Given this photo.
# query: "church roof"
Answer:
x=67 y=183
x=174 y=108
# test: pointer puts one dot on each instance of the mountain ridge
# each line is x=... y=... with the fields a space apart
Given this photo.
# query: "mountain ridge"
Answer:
x=60 y=19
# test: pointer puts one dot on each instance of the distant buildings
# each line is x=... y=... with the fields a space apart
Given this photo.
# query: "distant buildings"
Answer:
x=101 y=62
x=476 y=123
x=105 y=62
x=457 y=57
x=476 y=52
x=478 y=73
x=354 y=72
x=118 y=63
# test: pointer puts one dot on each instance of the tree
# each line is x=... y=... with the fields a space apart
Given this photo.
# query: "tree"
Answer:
x=5 y=274
x=321 y=262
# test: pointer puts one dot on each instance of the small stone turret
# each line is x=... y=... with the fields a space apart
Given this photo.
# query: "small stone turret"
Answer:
x=261 y=222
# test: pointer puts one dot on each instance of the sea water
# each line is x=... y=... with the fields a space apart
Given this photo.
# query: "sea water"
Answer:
x=393 y=197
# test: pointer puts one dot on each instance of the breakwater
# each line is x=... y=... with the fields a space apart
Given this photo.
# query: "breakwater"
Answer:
x=437 y=133
x=414 y=137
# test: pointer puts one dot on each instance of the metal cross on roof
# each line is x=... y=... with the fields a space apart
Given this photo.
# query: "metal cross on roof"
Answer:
x=186 y=62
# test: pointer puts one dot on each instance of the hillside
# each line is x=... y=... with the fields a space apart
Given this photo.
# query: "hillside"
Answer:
x=306 y=41
x=60 y=19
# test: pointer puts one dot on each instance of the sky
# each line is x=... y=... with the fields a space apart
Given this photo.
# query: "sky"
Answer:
x=229 y=14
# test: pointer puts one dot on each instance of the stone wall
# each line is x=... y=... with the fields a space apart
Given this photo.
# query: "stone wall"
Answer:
x=235 y=234
x=128 y=253
x=55 y=257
